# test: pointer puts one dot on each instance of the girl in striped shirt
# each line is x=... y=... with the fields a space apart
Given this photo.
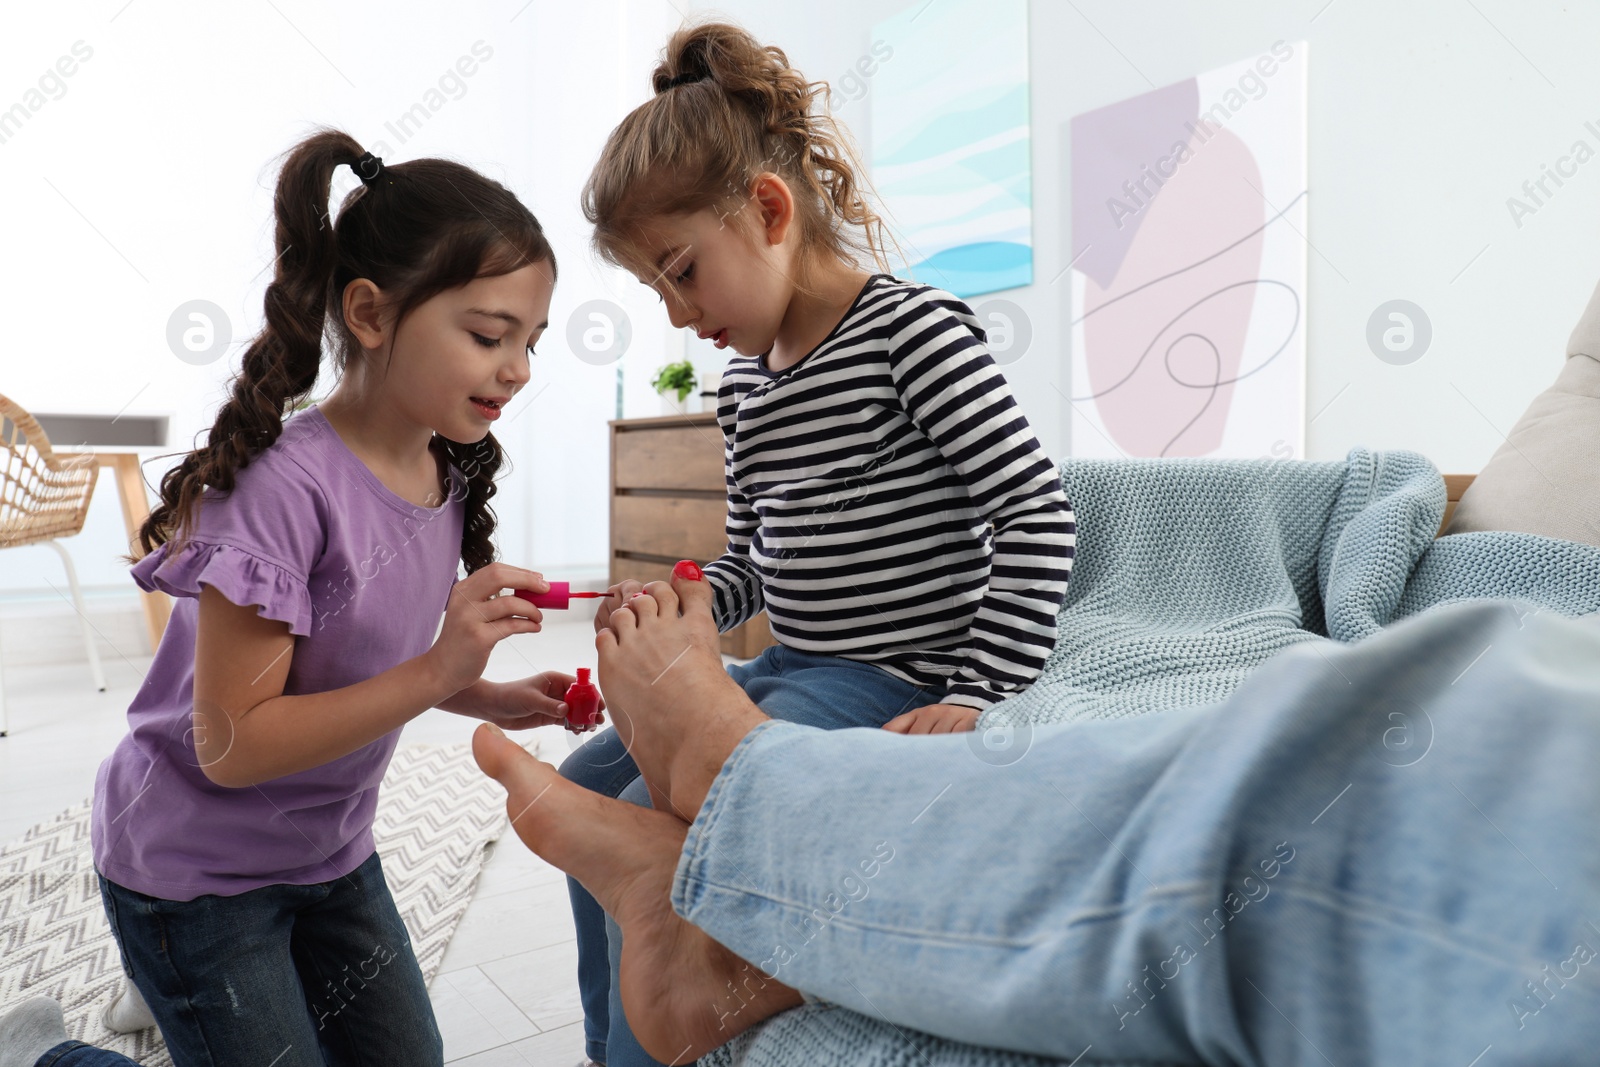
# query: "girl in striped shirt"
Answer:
x=888 y=505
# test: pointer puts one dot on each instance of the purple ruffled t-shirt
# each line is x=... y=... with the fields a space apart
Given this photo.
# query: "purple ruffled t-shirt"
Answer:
x=362 y=576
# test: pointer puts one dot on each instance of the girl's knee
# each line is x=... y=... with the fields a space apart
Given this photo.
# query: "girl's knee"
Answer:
x=591 y=761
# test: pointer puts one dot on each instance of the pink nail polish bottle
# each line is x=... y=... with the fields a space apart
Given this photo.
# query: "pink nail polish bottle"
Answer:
x=557 y=597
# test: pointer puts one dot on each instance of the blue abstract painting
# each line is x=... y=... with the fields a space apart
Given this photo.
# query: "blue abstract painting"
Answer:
x=950 y=142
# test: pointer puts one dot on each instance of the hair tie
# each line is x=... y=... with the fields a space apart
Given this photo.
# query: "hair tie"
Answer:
x=368 y=168
x=684 y=79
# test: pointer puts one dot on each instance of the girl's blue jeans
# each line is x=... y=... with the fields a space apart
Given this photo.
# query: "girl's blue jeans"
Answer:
x=825 y=692
x=1375 y=853
x=292 y=975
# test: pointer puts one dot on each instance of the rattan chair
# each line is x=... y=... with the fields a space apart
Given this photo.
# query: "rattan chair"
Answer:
x=43 y=497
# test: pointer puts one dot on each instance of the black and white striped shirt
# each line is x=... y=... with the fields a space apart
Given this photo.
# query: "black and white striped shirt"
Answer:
x=862 y=482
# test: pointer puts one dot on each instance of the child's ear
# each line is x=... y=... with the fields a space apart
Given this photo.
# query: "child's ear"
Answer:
x=776 y=204
x=363 y=312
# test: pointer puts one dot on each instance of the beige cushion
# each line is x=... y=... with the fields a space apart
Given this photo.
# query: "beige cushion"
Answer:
x=1546 y=478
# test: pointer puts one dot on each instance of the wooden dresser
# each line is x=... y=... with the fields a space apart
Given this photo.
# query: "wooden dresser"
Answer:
x=669 y=502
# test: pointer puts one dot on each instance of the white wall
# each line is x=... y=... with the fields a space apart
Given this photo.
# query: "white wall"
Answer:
x=146 y=184
x=1424 y=117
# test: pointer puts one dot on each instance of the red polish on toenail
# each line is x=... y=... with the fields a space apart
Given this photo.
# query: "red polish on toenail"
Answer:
x=687 y=569
x=583 y=703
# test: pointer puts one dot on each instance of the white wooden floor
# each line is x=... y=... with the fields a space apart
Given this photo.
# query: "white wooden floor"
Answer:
x=506 y=994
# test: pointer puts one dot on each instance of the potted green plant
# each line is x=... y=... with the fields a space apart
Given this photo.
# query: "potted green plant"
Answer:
x=675 y=383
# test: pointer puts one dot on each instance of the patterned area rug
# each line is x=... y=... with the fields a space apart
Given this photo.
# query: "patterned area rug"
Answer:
x=437 y=813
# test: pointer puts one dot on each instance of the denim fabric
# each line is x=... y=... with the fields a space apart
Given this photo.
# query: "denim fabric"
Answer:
x=77 y=1054
x=1374 y=853
x=293 y=975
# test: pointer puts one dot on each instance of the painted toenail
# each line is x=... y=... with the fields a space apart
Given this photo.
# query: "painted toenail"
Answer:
x=688 y=569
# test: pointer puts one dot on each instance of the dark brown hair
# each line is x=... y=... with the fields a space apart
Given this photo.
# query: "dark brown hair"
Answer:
x=726 y=109
x=426 y=226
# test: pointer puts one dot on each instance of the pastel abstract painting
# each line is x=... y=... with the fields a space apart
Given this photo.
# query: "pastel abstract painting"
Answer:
x=950 y=153
x=1188 y=210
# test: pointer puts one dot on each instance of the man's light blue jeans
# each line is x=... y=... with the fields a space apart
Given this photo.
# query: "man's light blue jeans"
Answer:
x=1379 y=853
x=824 y=692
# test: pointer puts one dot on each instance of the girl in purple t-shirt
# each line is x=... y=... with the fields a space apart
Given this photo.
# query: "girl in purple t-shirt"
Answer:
x=311 y=559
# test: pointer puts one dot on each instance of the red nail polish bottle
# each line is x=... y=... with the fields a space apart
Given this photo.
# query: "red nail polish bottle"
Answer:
x=583 y=704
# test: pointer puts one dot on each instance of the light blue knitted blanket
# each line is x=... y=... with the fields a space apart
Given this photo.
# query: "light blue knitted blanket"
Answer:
x=1189 y=575
x=1192 y=573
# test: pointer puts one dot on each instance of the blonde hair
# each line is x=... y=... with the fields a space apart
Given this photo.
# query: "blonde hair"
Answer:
x=727 y=109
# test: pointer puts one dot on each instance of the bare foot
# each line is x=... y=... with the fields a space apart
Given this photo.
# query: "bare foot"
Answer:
x=684 y=994
x=672 y=702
